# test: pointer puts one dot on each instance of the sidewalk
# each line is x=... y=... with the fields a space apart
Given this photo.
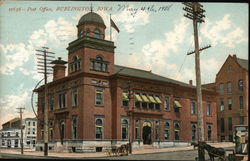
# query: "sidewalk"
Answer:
x=104 y=154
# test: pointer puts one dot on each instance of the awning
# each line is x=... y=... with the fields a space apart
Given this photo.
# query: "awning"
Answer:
x=177 y=104
x=151 y=99
x=145 y=98
x=157 y=100
x=100 y=92
x=125 y=96
x=138 y=98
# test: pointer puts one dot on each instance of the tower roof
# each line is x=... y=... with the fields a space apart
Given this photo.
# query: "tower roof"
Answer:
x=91 y=18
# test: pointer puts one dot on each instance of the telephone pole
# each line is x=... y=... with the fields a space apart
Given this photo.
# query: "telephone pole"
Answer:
x=195 y=12
x=45 y=69
x=21 y=127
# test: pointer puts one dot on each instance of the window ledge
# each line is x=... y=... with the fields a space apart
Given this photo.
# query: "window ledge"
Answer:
x=99 y=105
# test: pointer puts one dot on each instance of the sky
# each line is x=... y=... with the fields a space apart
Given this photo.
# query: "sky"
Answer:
x=153 y=36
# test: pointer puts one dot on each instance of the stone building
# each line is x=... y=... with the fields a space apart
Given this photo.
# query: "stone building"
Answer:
x=10 y=134
x=99 y=104
x=232 y=87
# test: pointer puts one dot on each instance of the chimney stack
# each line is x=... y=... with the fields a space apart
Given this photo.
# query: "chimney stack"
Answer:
x=58 y=68
x=191 y=82
x=234 y=56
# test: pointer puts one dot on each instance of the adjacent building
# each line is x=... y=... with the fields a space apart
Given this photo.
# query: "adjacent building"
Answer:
x=99 y=104
x=232 y=87
x=10 y=134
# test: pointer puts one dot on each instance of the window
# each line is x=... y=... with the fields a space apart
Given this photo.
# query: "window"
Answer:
x=145 y=101
x=209 y=132
x=3 y=142
x=157 y=130
x=229 y=87
x=17 y=134
x=98 y=64
x=99 y=96
x=8 y=133
x=221 y=89
x=137 y=129
x=222 y=128
x=43 y=107
x=221 y=104
x=125 y=99
x=193 y=128
x=98 y=128
x=230 y=124
x=193 y=108
x=34 y=123
x=124 y=129
x=177 y=105
x=229 y=102
x=167 y=107
x=50 y=133
x=158 y=102
x=80 y=33
x=28 y=123
x=176 y=131
x=74 y=127
x=75 y=65
x=51 y=104
x=97 y=34
x=62 y=100
x=241 y=120
x=240 y=85
x=209 y=113
x=241 y=102
x=16 y=143
x=88 y=32
x=28 y=130
x=138 y=100
x=167 y=130
x=74 y=97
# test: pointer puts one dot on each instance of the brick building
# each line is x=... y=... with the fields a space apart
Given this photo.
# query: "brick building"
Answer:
x=232 y=101
x=99 y=104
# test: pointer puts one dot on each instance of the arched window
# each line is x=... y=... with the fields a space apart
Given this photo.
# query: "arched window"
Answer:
x=176 y=131
x=98 y=128
x=193 y=132
x=124 y=129
x=166 y=130
x=76 y=64
x=98 y=64
x=87 y=32
x=97 y=33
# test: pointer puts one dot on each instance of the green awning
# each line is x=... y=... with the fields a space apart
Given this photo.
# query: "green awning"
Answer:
x=138 y=98
x=151 y=99
x=177 y=104
x=125 y=96
x=145 y=98
x=157 y=100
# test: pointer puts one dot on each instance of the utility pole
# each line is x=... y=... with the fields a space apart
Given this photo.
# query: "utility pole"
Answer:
x=195 y=12
x=45 y=69
x=21 y=127
x=130 y=114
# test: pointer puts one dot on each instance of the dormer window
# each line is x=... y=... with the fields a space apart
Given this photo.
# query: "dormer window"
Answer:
x=99 y=64
x=97 y=33
x=80 y=33
x=75 y=65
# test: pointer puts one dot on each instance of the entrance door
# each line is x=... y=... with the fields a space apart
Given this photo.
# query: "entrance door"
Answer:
x=146 y=133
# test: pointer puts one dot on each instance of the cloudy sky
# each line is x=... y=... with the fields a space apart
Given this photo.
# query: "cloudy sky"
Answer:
x=153 y=36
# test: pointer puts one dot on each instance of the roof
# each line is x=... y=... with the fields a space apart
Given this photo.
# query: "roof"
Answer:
x=91 y=17
x=243 y=63
x=10 y=129
x=121 y=70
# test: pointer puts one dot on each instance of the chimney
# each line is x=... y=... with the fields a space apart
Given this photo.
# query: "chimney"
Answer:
x=58 y=68
x=234 y=56
x=191 y=82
